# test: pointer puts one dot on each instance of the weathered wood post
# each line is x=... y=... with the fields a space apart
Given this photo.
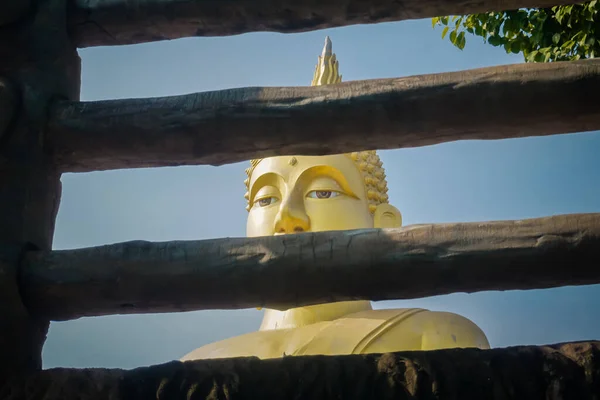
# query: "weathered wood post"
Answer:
x=37 y=64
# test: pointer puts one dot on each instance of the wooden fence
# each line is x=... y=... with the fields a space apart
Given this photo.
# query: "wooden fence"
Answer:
x=45 y=130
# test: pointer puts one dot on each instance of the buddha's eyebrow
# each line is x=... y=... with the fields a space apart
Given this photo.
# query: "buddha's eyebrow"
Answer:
x=330 y=172
x=262 y=181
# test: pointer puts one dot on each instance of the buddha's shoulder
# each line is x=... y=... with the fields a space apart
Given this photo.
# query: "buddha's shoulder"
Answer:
x=260 y=344
x=373 y=331
x=385 y=314
x=415 y=329
x=399 y=315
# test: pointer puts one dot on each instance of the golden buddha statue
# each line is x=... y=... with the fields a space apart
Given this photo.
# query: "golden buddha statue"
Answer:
x=292 y=194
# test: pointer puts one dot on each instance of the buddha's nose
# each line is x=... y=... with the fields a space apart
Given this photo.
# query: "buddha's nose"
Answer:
x=292 y=217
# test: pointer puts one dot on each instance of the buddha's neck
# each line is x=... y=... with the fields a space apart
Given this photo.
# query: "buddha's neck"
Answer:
x=296 y=317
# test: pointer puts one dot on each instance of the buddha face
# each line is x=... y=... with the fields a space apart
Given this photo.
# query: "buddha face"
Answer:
x=293 y=194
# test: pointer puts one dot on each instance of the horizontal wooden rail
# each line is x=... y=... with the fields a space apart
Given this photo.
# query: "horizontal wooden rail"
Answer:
x=115 y=22
x=558 y=372
x=311 y=268
x=234 y=125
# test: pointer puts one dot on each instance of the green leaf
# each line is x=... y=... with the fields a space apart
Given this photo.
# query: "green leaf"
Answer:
x=590 y=17
x=568 y=45
x=461 y=41
x=531 y=56
x=453 y=37
x=539 y=57
x=508 y=27
x=470 y=22
x=435 y=21
x=556 y=38
x=515 y=47
x=445 y=32
x=568 y=9
x=495 y=40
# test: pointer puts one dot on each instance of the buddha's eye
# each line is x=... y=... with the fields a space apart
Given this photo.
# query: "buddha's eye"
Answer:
x=265 y=201
x=323 y=194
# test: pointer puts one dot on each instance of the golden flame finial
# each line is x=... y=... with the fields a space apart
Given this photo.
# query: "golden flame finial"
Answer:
x=327 y=70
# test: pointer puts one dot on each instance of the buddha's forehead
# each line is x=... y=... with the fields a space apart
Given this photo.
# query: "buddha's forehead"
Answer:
x=290 y=167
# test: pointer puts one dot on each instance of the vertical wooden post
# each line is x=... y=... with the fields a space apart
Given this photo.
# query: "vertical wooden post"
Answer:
x=40 y=64
x=12 y=10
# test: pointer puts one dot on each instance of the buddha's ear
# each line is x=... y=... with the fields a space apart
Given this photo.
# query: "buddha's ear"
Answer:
x=387 y=216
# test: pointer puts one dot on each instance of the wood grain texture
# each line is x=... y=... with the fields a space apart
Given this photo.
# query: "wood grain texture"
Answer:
x=312 y=268
x=228 y=126
x=117 y=22
x=569 y=371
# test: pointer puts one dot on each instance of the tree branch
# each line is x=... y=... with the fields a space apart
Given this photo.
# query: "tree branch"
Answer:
x=312 y=268
x=557 y=372
x=234 y=125
x=115 y=22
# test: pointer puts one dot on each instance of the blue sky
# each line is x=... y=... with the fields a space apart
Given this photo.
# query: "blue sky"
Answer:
x=452 y=182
